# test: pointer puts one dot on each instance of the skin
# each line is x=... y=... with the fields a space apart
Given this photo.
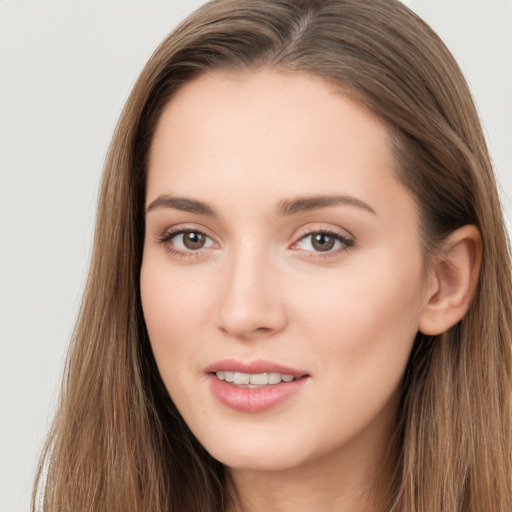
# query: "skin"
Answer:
x=258 y=288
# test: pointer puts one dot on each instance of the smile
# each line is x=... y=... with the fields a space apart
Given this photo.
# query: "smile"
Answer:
x=253 y=387
x=254 y=380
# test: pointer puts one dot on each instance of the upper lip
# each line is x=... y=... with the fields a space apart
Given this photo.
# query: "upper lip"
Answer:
x=253 y=367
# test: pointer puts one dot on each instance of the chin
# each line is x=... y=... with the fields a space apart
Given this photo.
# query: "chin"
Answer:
x=257 y=460
x=260 y=452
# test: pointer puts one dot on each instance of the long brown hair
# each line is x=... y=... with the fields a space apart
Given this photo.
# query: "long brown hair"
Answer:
x=118 y=443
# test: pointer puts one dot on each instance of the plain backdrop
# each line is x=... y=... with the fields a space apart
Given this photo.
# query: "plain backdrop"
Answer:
x=66 y=68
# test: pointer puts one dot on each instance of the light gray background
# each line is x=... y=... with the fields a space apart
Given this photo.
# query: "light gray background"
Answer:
x=66 y=68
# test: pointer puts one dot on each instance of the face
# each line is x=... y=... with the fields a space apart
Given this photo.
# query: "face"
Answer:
x=282 y=276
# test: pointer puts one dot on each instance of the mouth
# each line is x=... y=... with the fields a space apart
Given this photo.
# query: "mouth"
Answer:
x=256 y=386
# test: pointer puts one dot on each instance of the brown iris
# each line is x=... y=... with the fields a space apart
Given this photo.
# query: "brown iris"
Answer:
x=322 y=241
x=193 y=240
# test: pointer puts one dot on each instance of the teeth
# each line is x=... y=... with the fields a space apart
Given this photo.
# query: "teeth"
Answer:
x=241 y=378
x=274 y=378
x=253 y=380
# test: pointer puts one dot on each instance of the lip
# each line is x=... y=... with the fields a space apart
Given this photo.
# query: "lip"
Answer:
x=253 y=399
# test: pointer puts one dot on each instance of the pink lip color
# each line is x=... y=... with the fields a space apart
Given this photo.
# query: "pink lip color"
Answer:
x=253 y=399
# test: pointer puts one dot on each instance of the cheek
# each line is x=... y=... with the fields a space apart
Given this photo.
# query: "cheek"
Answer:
x=365 y=317
x=362 y=331
x=176 y=308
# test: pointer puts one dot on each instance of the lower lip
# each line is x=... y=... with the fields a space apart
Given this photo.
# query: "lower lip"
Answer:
x=253 y=399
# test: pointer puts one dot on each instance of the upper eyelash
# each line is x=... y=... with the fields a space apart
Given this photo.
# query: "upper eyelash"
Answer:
x=331 y=232
x=168 y=235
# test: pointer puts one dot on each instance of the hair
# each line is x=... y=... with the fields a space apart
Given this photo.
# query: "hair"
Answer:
x=118 y=443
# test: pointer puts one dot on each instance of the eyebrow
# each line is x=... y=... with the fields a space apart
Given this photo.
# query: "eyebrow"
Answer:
x=304 y=204
x=285 y=207
x=181 y=203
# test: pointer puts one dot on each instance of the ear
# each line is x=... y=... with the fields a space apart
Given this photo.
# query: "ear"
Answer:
x=452 y=282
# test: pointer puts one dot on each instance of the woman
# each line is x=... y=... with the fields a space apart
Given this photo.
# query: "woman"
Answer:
x=299 y=295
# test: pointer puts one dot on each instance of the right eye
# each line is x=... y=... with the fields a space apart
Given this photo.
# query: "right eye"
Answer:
x=186 y=241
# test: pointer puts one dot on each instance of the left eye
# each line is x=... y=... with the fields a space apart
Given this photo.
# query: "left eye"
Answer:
x=322 y=242
x=190 y=240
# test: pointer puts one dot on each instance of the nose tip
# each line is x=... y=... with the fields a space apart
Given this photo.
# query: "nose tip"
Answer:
x=251 y=303
x=241 y=323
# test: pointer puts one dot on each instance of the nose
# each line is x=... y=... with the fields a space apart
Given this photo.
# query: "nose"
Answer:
x=251 y=302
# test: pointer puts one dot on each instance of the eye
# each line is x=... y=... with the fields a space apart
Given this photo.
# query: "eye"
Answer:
x=191 y=240
x=186 y=241
x=323 y=242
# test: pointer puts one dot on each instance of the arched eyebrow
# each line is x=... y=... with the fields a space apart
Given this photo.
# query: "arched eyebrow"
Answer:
x=303 y=204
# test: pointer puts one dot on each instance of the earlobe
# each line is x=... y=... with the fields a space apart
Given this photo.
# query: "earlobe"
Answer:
x=453 y=281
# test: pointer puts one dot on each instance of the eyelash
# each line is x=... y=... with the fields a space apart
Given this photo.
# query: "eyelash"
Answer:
x=346 y=242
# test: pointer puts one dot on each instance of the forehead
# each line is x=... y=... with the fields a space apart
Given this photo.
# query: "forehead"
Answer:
x=281 y=106
x=267 y=132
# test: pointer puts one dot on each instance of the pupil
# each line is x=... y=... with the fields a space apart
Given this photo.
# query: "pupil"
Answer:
x=193 y=240
x=323 y=242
